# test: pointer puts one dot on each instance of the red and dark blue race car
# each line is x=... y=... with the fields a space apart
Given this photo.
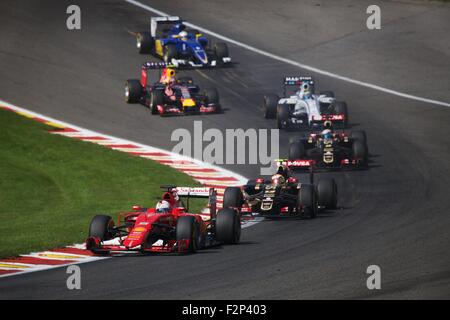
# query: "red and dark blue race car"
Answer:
x=170 y=95
x=167 y=228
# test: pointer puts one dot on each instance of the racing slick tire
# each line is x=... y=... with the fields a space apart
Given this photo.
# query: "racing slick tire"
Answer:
x=327 y=193
x=296 y=151
x=133 y=91
x=340 y=107
x=228 y=226
x=187 y=228
x=144 y=42
x=232 y=197
x=307 y=200
x=212 y=95
x=101 y=227
x=270 y=104
x=170 y=52
x=282 y=116
x=359 y=135
x=359 y=150
x=221 y=51
x=327 y=93
x=156 y=98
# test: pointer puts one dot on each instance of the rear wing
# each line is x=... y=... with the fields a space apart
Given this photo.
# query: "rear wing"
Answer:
x=157 y=65
x=194 y=192
x=153 y=66
x=197 y=192
x=298 y=164
x=297 y=81
x=291 y=81
x=154 y=21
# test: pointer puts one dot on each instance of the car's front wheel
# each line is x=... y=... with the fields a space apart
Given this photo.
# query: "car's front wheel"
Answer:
x=188 y=229
x=101 y=227
x=156 y=99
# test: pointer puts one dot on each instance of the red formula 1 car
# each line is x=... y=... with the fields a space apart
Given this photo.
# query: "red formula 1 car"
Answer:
x=167 y=228
x=170 y=95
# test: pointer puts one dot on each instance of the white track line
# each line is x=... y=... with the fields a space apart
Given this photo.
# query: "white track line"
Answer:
x=295 y=63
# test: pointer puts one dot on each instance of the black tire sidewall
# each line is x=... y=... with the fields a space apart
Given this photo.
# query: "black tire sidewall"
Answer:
x=187 y=228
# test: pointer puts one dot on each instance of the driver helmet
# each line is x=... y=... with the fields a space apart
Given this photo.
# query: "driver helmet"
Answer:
x=326 y=134
x=282 y=170
x=183 y=34
x=278 y=180
x=178 y=28
x=162 y=206
x=306 y=90
x=168 y=76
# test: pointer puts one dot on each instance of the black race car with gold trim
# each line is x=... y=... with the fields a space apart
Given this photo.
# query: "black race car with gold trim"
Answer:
x=282 y=196
x=328 y=150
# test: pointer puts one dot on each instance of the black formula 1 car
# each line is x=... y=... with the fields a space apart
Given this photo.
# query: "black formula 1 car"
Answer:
x=290 y=199
x=170 y=95
x=329 y=150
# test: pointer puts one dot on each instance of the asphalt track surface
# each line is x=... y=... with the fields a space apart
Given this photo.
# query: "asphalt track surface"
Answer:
x=394 y=215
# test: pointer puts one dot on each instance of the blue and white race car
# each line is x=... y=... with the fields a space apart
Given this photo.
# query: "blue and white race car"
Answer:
x=304 y=109
x=170 y=40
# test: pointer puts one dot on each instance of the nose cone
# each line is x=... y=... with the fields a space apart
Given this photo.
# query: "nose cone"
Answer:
x=201 y=55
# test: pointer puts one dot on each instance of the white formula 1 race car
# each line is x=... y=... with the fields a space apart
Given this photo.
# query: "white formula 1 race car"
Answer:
x=304 y=109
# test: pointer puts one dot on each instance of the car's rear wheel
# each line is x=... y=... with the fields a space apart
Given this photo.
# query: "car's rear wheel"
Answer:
x=170 y=52
x=133 y=91
x=282 y=116
x=156 y=99
x=359 y=150
x=144 y=42
x=307 y=201
x=327 y=193
x=296 y=151
x=188 y=229
x=232 y=197
x=211 y=95
x=228 y=226
x=270 y=103
x=359 y=135
x=102 y=227
x=340 y=107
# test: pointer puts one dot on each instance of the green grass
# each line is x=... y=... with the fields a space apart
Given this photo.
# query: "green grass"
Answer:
x=51 y=186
